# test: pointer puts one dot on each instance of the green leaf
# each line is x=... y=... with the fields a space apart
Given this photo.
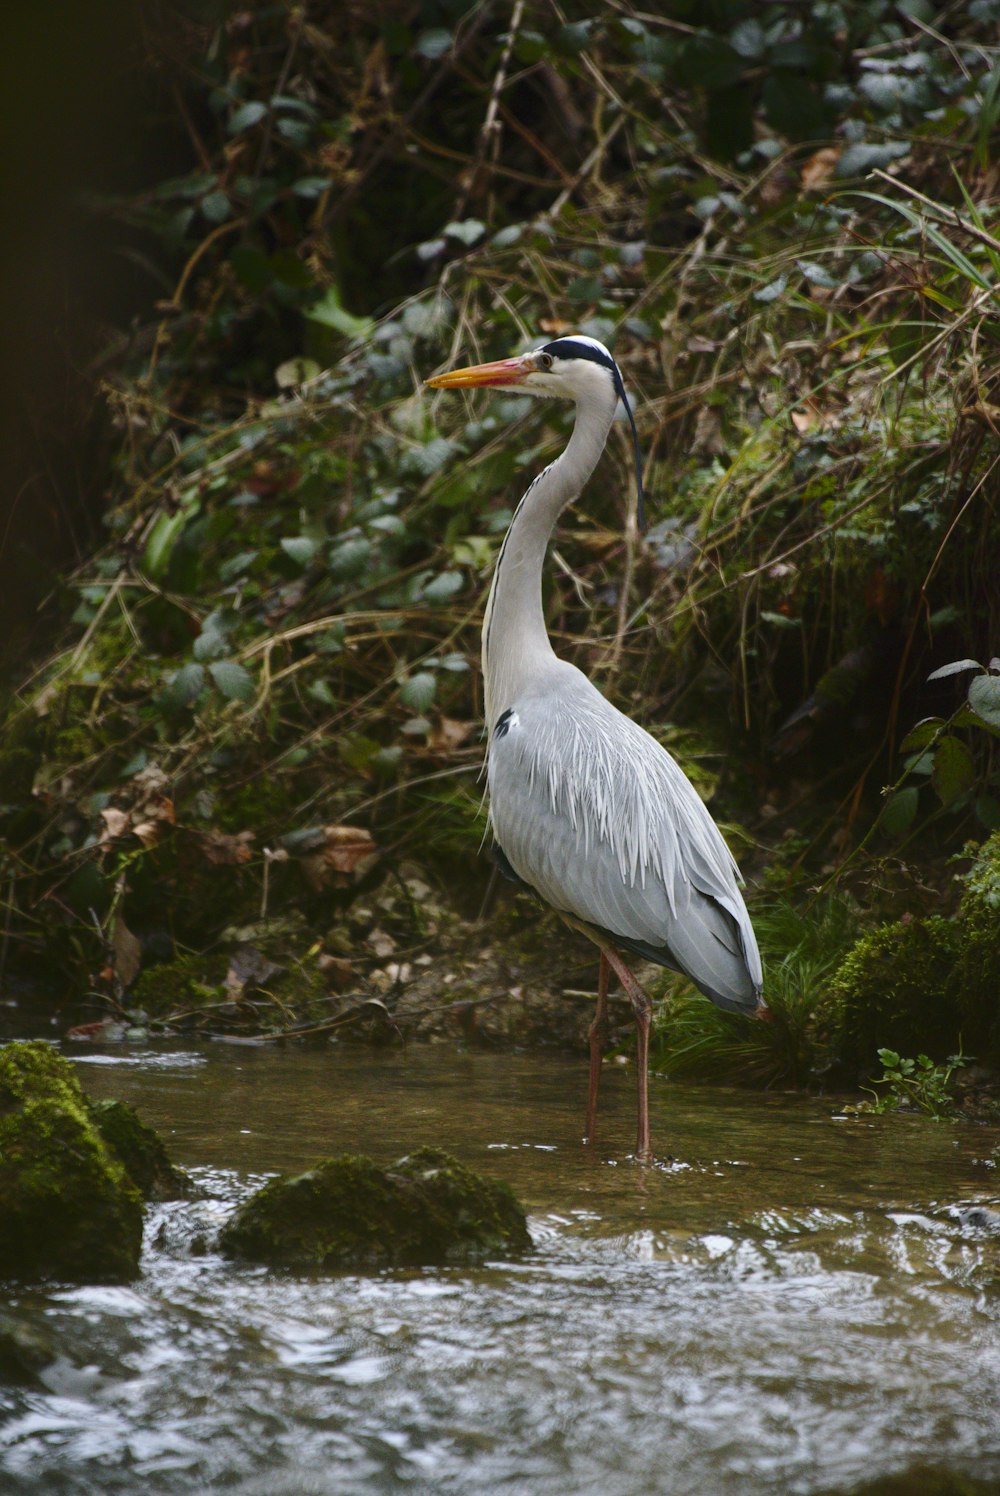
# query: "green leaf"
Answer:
x=349 y=559
x=233 y=680
x=919 y=736
x=984 y=699
x=164 y=535
x=467 y=232
x=247 y=116
x=443 y=586
x=955 y=668
x=954 y=772
x=433 y=43
x=709 y=62
x=419 y=691
x=210 y=644
x=299 y=548
x=988 y=812
x=772 y=290
x=328 y=311
x=900 y=811
x=863 y=156
x=183 y=689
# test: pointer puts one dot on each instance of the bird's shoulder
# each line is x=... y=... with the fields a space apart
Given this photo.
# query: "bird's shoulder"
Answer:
x=562 y=755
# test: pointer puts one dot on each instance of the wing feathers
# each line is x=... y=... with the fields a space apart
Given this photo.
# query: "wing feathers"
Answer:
x=596 y=816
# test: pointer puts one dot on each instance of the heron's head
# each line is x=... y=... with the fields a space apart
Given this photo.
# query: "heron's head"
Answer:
x=575 y=368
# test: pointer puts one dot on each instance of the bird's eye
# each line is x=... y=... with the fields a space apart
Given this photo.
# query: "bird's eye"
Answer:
x=545 y=361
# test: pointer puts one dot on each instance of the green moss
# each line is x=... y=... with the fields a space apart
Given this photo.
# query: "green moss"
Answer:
x=139 y=1149
x=348 y=1212
x=978 y=969
x=67 y=1207
x=17 y=773
x=25 y=1350
x=189 y=982
x=897 y=988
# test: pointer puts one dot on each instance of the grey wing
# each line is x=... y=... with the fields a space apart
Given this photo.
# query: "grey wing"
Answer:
x=599 y=820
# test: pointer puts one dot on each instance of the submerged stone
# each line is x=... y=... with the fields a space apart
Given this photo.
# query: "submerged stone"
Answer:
x=348 y=1212
x=68 y=1209
x=140 y=1150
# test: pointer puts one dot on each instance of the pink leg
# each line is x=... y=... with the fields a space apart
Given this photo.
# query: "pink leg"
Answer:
x=642 y=1008
x=598 y=1036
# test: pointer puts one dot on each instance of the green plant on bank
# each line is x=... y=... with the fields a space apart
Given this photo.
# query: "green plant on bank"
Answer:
x=279 y=637
x=915 y=1085
x=802 y=945
x=940 y=750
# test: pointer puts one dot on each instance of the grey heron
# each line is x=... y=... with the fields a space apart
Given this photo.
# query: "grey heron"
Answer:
x=586 y=808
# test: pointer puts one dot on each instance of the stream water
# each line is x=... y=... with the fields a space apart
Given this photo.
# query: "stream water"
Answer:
x=795 y=1304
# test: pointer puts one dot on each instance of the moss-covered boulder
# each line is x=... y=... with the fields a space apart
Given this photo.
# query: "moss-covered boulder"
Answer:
x=925 y=986
x=26 y=1349
x=897 y=988
x=140 y=1150
x=68 y=1209
x=978 y=965
x=349 y=1212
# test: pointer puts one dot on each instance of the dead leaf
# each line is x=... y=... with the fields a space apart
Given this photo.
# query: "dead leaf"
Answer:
x=556 y=326
x=336 y=970
x=116 y=823
x=347 y=853
x=708 y=440
x=381 y=943
x=128 y=953
x=225 y=849
x=819 y=168
x=449 y=734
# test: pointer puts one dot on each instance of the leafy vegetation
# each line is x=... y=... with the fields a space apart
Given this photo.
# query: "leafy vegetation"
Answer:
x=257 y=722
x=917 y=1084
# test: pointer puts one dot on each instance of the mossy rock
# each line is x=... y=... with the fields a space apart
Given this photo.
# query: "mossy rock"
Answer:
x=978 y=969
x=898 y=988
x=920 y=1482
x=67 y=1207
x=25 y=1350
x=192 y=981
x=140 y=1150
x=349 y=1212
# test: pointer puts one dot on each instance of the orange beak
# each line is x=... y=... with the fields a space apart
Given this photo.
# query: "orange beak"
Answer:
x=504 y=371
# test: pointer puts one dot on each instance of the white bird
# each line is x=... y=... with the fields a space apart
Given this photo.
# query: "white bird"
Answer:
x=586 y=808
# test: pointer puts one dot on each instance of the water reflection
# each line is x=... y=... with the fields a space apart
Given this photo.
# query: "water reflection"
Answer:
x=786 y=1306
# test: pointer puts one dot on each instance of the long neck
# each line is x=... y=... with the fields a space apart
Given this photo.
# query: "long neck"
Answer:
x=515 y=641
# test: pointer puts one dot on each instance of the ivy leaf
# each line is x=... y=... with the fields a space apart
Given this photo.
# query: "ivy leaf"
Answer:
x=443 y=586
x=953 y=772
x=984 y=699
x=955 y=668
x=772 y=290
x=418 y=692
x=299 y=548
x=433 y=43
x=247 y=116
x=233 y=680
x=900 y=812
x=467 y=232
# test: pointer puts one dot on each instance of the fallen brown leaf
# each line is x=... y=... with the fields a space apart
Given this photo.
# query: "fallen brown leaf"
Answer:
x=346 y=853
x=226 y=849
x=819 y=168
x=128 y=953
x=449 y=734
